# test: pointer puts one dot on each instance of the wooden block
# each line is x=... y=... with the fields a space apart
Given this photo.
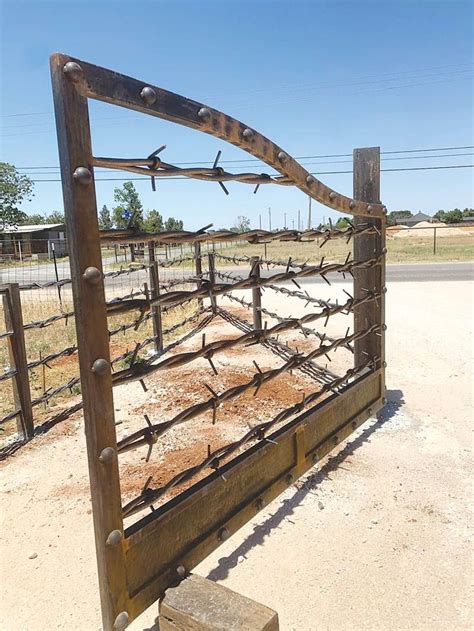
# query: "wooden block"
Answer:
x=198 y=604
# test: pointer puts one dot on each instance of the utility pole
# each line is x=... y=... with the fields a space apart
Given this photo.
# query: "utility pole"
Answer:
x=284 y=221
x=293 y=223
x=309 y=212
x=260 y=221
x=299 y=222
x=270 y=219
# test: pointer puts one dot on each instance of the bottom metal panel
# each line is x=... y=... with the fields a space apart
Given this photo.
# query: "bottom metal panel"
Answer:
x=188 y=528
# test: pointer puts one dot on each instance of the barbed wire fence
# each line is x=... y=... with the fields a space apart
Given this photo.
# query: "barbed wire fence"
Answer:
x=160 y=283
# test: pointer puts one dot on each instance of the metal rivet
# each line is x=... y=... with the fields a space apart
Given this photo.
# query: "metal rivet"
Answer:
x=384 y=364
x=384 y=327
x=92 y=275
x=370 y=411
x=354 y=424
x=121 y=621
x=370 y=208
x=290 y=478
x=83 y=175
x=114 y=538
x=352 y=204
x=181 y=571
x=148 y=95
x=72 y=70
x=332 y=195
x=107 y=455
x=260 y=503
x=282 y=156
x=223 y=534
x=384 y=290
x=247 y=133
x=384 y=250
x=204 y=114
x=310 y=180
x=100 y=366
x=384 y=401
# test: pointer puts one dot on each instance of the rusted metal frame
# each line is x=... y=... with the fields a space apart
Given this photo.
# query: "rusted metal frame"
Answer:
x=18 y=358
x=367 y=188
x=74 y=139
x=154 y=293
x=252 y=480
x=105 y=85
x=256 y=294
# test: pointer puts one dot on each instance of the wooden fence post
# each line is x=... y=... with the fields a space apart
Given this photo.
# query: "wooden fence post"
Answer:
x=198 y=262
x=154 y=293
x=212 y=280
x=368 y=246
x=256 y=293
x=18 y=358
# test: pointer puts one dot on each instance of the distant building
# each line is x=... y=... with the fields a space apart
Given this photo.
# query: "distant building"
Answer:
x=411 y=221
x=34 y=241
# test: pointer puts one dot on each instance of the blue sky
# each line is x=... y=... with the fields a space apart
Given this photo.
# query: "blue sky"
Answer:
x=318 y=78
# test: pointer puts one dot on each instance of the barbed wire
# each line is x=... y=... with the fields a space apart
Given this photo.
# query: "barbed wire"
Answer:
x=150 y=434
x=251 y=236
x=148 y=496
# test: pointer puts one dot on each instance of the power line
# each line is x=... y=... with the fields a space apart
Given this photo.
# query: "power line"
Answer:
x=179 y=177
x=298 y=86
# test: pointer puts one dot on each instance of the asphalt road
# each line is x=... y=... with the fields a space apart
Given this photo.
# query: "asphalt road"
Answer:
x=413 y=272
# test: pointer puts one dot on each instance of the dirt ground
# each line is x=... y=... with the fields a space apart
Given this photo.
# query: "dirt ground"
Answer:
x=376 y=537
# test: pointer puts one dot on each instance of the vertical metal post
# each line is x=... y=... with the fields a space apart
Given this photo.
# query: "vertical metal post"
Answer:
x=18 y=359
x=198 y=263
x=75 y=154
x=256 y=293
x=368 y=246
x=434 y=241
x=154 y=293
x=212 y=280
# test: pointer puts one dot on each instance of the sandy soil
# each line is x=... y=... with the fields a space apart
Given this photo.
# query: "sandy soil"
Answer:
x=377 y=537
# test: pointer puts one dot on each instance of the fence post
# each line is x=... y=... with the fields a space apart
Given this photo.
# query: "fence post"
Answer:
x=212 y=280
x=434 y=241
x=17 y=353
x=198 y=262
x=368 y=246
x=256 y=293
x=154 y=293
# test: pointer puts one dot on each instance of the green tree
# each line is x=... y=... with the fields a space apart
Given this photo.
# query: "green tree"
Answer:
x=453 y=216
x=105 y=221
x=468 y=212
x=153 y=221
x=342 y=223
x=55 y=217
x=242 y=224
x=14 y=188
x=397 y=216
x=36 y=219
x=440 y=215
x=129 y=209
x=172 y=224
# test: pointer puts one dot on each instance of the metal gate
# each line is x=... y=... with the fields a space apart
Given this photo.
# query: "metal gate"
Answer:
x=137 y=563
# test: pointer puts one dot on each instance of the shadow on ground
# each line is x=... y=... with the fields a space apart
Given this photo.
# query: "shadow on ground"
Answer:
x=394 y=402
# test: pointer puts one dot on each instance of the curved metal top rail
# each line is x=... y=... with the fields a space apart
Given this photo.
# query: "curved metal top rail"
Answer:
x=106 y=85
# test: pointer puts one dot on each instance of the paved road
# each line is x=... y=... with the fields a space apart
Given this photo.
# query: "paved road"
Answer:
x=413 y=272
